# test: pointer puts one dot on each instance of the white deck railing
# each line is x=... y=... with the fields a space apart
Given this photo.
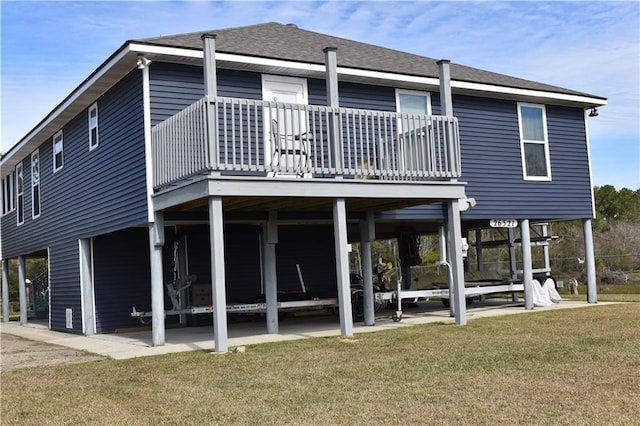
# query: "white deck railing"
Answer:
x=270 y=139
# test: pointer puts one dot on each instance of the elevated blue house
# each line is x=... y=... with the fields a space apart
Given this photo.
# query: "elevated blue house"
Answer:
x=247 y=155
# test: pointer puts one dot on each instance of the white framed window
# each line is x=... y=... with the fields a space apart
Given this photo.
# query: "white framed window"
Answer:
x=93 y=126
x=20 y=193
x=413 y=102
x=35 y=184
x=534 y=142
x=58 y=151
x=8 y=193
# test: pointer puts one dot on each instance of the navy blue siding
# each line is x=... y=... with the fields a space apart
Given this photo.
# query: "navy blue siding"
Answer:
x=64 y=272
x=174 y=87
x=312 y=247
x=309 y=246
x=242 y=259
x=492 y=165
x=96 y=191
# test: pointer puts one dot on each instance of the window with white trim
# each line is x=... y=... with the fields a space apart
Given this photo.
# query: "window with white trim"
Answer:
x=58 y=151
x=93 y=126
x=20 y=193
x=8 y=193
x=534 y=142
x=35 y=184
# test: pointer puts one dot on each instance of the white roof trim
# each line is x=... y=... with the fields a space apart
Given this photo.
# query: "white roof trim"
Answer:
x=527 y=92
x=428 y=81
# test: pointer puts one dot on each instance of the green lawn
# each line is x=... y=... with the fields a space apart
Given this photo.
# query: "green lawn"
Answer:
x=574 y=366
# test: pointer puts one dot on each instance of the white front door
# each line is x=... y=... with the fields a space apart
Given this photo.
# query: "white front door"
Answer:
x=282 y=124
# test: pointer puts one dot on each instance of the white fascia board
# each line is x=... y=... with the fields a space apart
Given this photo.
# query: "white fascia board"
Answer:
x=379 y=75
x=527 y=93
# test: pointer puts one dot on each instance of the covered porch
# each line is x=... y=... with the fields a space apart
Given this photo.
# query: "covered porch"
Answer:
x=224 y=157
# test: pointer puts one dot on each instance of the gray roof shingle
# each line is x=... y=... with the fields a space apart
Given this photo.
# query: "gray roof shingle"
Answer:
x=288 y=42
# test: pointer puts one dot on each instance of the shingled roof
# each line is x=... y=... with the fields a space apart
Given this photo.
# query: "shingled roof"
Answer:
x=288 y=42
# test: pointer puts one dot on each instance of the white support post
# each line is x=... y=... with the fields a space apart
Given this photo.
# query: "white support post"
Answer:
x=527 y=267
x=545 y=248
x=590 y=262
x=270 y=272
x=22 y=290
x=211 y=91
x=367 y=236
x=454 y=228
x=342 y=266
x=513 y=265
x=5 y=290
x=331 y=66
x=86 y=281
x=218 y=279
x=444 y=74
x=156 y=242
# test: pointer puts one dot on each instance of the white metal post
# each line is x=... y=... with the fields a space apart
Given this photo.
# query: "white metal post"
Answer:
x=367 y=236
x=86 y=281
x=270 y=272
x=454 y=228
x=22 y=290
x=218 y=279
x=590 y=262
x=342 y=266
x=156 y=242
x=5 y=290
x=527 y=267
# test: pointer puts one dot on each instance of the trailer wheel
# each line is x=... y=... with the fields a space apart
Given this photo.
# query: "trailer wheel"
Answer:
x=397 y=316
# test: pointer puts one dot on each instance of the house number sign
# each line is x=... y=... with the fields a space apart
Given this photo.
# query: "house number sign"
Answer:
x=503 y=223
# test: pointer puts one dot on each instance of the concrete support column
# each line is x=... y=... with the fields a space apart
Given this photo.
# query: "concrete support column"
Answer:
x=342 y=266
x=269 y=242
x=86 y=282
x=527 y=267
x=367 y=236
x=156 y=242
x=22 y=289
x=454 y=240
x=218 y=279
x=5 y=290
x=590 y=262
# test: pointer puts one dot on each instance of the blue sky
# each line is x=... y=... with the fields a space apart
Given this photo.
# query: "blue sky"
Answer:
x=48 y=48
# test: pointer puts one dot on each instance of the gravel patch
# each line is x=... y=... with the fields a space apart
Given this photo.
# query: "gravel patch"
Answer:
x=17 y=352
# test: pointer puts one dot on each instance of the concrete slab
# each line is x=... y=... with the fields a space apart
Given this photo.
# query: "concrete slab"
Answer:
x=139 y=344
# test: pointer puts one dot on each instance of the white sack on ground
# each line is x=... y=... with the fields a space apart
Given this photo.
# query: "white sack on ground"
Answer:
x=545 y=295
x=550 y=287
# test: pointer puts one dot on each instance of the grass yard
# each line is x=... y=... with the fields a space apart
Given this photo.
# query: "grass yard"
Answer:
x=574 y=366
